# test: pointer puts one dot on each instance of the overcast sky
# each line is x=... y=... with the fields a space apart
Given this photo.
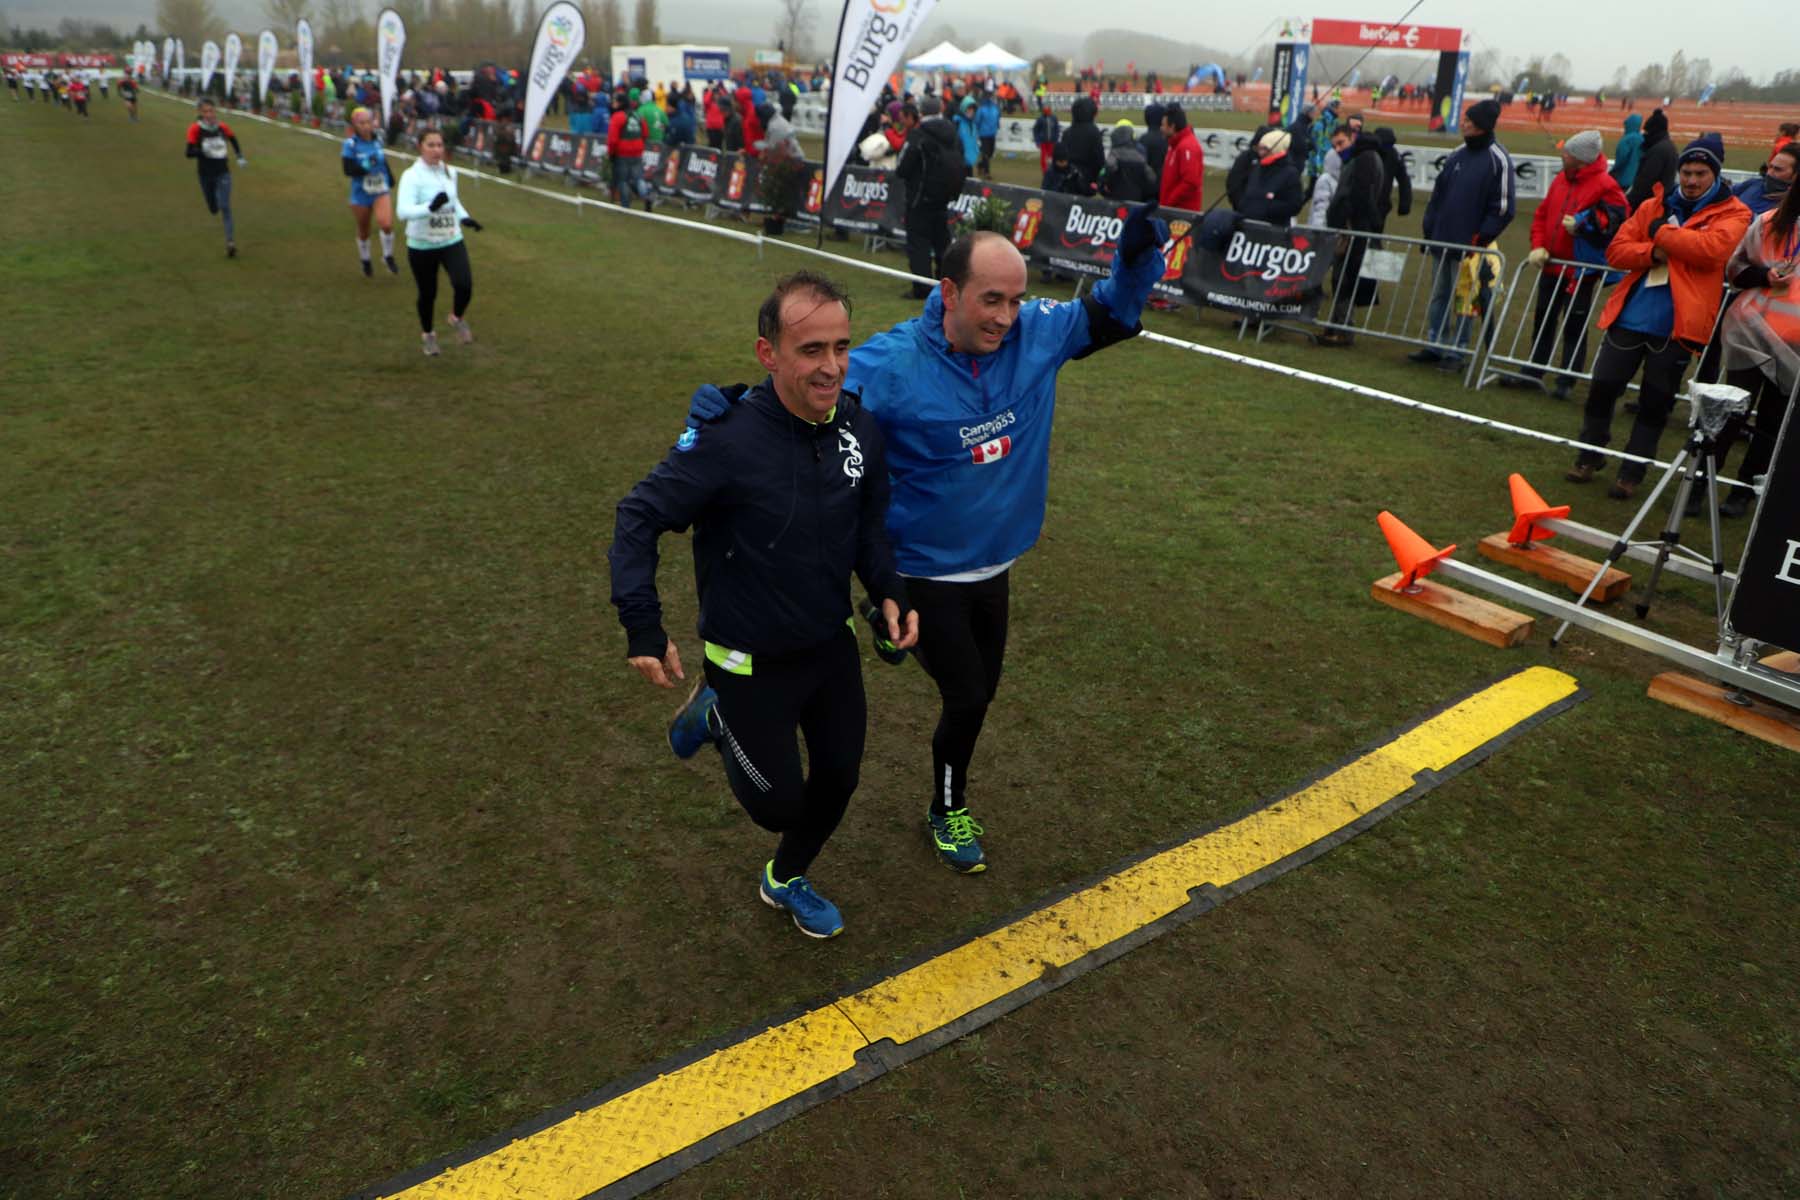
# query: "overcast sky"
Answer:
x=1597 y=40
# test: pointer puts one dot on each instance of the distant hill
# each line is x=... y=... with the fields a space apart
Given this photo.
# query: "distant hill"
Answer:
x=1117 y=47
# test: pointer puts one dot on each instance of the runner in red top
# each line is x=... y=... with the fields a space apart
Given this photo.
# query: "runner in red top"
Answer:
x=207 y=141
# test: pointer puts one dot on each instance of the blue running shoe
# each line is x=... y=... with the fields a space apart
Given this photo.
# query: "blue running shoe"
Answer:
x=813 y=914
x=692 y=727
x=956 y=836
x=888 y=652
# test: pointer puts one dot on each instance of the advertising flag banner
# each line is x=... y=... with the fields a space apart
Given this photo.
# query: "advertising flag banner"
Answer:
x=1263 y=271
x=180 y=58
x=265 y=64
x=871 y=35
x=209 y=63
x=234 y=49
x=390 y=44
x=699 y=177
x=560 y=36
x=168 y=55
x=303 y=47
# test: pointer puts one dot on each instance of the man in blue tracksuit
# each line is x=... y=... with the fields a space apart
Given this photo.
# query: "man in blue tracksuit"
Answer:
x=964 y=394
x=1471 y=204
x=787 y=492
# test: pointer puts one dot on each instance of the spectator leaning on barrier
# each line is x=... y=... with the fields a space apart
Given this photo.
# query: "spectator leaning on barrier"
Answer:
x=1674 y=249
x=1271 y=189
x=1356 y=206
x=1126 y=176
x=1763 y=192
x=1184 y=167
x=1046 y=131
x=1154 y=142
x=1629 y=153
x=1565 y=295
x=1656 y=164
x=1237 y=176
x=1394 y=169
x=1761 y=334
x=1082 y=141
x=1472 y=203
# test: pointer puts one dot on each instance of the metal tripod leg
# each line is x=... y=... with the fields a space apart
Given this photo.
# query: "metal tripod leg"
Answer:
x=1624 y=543
x=1671 y=534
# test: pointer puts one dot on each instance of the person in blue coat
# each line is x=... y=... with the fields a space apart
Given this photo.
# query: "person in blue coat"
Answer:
x=965 y=131
x=1761 y=193
x=1472 y=203
x=964 y=395
x=987 y=130
x=1629 y=152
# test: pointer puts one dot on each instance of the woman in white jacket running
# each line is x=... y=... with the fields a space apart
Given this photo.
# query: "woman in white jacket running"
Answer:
x=435 y=219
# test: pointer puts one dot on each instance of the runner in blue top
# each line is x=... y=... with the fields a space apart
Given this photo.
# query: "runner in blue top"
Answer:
x=371 y=188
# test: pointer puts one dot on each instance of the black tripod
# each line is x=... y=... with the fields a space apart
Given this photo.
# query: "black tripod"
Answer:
x=1711 y=405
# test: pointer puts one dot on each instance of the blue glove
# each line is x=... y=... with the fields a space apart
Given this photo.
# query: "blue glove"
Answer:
x=708 y=402
x=1142 y=234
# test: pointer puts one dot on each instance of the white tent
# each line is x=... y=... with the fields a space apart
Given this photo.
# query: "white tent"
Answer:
x=995 y=58
x=941 y=57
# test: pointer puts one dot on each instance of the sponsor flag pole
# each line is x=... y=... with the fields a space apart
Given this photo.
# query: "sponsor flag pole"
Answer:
x=266 y=49
x=209 y=63
x=181 y=60
x=390 y=44
x=871 y=36
x=168 y=57
x=561 y=34
x=234 y=49
x=303 y=48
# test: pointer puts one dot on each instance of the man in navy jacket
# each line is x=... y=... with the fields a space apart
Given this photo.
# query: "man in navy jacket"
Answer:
x=1472 y=202
x=787 y=491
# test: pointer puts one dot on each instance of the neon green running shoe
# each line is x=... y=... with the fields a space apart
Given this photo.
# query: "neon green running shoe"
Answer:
x=956 y=836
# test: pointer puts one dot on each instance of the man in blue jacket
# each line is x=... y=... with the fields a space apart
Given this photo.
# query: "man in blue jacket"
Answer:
x=787 y=492
x=965 y=394
x=987 y=130
x=1471 y=204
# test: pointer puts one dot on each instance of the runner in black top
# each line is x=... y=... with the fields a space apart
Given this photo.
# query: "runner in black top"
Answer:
x=206 y=142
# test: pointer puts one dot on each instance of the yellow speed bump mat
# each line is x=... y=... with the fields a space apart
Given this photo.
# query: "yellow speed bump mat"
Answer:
x=633 y=1134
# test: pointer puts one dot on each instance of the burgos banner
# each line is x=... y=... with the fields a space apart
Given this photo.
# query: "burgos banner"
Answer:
x=390 y=44
x=871 y=35
x=560 y=36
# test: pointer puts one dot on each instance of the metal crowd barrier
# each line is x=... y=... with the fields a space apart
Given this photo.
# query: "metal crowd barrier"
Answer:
x=1400 y=273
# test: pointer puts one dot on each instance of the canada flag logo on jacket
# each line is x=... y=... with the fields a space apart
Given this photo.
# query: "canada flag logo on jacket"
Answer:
x=992 y=451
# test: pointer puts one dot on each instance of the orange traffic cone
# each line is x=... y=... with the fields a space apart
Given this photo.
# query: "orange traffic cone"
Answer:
x=1528 y=509
x=1413 y=553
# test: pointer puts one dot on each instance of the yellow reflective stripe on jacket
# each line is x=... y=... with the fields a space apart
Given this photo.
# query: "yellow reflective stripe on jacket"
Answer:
x=735 y=661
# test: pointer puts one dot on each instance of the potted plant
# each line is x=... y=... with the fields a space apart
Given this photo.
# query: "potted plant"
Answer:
x=778 y=187
x=990 y=213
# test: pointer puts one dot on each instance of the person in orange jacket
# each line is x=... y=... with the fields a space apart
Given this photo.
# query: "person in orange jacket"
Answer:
x=1674 y=250
x=1184 y=166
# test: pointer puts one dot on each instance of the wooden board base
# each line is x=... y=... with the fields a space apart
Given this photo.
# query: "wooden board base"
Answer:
x=1785 y=660
x=1472 y=616
x=1762 y=719
x=1558 y=566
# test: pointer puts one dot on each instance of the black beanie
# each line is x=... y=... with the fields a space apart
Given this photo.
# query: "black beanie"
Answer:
x=1658 y=123
x=1485 y=114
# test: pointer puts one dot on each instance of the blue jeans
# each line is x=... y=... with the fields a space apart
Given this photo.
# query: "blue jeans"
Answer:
x=217 y=190
x=1438 y=319
x=628 y=179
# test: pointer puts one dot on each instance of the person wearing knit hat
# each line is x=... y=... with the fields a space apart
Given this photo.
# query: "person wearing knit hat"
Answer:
x=1674 y=249
x=1472 y=203
x=1565 y=294
x=1656 y=161
x=1276 y=141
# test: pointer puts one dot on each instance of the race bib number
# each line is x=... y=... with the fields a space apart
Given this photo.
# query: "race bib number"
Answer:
x=213 y=146
x=442 y=225
x=375 y=183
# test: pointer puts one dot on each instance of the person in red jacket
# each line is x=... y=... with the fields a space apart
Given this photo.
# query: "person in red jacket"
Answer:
x=1184 y=166
x=1674 y=248
x=625 y=150
x=717 y=102
x=1565 y=294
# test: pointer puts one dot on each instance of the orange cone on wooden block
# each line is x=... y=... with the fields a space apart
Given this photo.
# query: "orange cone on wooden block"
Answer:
x=1412 y=553
x=1528 y=509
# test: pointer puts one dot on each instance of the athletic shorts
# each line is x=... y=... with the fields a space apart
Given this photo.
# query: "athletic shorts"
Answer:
x=362 y=199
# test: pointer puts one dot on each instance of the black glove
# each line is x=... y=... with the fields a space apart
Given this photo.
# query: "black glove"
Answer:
x=1654 y=226
x=438 y=201
x=1142 y=234
x=354 y=169
x=471 y=223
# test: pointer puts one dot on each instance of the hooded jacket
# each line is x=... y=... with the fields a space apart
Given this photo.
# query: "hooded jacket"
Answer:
x=1568 y=197
x=931 y=149
x=1184 y=172
x=966 y=135
x=1127 y=175
x=1473 y=200
x=1154 y=143
x=1698 y=249
x=1397 y=174
x=783 y=511
x=1083 y=142
x=1656 y=167
x=1629 y=152
x=968 y=436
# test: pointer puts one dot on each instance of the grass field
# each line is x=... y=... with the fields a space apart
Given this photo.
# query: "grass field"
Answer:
x=339 y=836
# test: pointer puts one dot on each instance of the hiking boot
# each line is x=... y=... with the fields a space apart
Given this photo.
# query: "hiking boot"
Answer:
x=886 y=650
x=1622 y=489
x=1581 y=473
x=813 y=914
x=692 y=727
x=1426 y=355
x=954 y=835
x=1738 y=503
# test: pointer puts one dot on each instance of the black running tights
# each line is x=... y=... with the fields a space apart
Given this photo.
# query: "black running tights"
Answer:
x=454 y=258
